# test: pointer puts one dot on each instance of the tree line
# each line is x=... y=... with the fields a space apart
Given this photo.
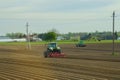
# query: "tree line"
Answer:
x=52 y=35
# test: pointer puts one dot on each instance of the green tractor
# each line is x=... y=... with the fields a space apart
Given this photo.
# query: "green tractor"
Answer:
x=53 y=50
x=80 y=44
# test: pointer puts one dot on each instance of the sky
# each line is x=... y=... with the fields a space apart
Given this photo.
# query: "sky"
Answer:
x=63 y=15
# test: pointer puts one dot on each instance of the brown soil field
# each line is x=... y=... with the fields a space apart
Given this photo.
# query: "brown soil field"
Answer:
x=94 y=62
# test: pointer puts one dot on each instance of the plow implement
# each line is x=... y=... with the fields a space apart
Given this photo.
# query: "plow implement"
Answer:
x=55 y=54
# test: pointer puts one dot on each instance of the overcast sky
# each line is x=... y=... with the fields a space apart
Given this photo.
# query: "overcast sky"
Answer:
x=63 y=15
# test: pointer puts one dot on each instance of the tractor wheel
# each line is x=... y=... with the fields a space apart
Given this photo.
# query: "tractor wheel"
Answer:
x=45 y=54
x=59 y=51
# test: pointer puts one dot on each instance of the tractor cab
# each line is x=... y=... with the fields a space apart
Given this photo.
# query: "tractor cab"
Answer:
x=53 y=50
x=52 y=45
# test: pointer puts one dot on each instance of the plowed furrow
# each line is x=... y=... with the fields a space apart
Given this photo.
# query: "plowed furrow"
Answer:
x=77 y=70
x=57 y=74
x=6 y=76
x=23 y=75
x=43 y=73
x=16 y=76
x=65 y=73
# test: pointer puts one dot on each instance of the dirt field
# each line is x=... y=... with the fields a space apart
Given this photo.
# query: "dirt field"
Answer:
x=93 y=62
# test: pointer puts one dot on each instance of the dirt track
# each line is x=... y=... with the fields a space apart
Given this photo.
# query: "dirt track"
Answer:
x=93 y=62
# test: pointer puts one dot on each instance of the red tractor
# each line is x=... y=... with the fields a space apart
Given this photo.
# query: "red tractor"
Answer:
x=53 y=51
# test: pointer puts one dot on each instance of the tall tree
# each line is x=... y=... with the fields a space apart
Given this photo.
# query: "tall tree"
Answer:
x=15 y=35
x=50 y=36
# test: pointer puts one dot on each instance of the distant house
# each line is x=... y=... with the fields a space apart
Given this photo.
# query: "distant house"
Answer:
x=75 y=38
x=60 y=38
x=20 y=40
x=5 y=39
x=34 y=38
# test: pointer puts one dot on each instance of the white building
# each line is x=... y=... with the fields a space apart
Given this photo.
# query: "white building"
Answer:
x=7 y=39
